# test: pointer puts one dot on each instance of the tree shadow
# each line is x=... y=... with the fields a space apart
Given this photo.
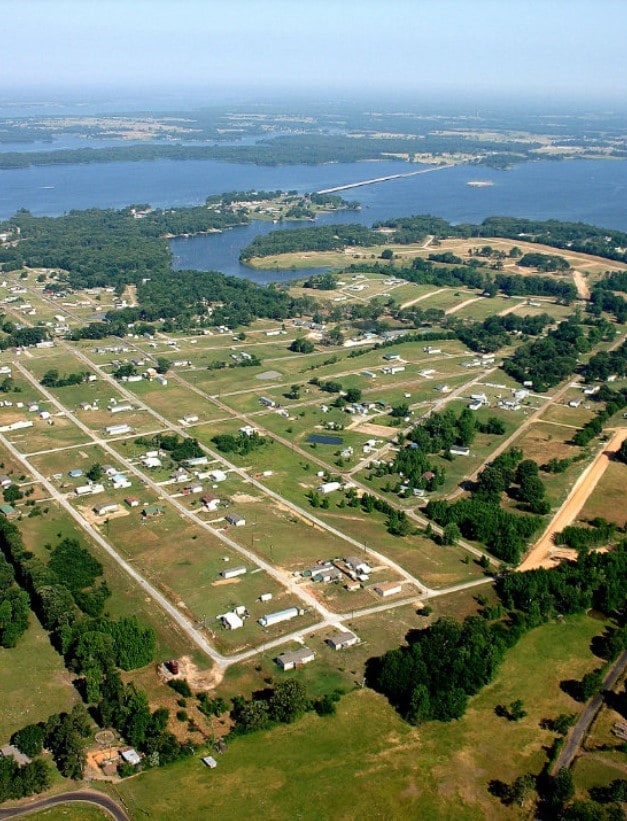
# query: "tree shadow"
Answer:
x=572 y=687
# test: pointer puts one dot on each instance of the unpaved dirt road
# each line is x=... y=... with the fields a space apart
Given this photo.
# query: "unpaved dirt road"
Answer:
x=541 y=554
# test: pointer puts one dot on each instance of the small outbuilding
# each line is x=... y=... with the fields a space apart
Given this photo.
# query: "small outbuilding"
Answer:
x=235 y=519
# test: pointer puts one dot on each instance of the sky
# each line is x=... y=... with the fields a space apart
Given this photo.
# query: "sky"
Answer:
x=551 y=49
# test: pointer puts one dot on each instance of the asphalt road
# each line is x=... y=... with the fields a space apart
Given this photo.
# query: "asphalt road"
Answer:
x=579 y=731
x=78 y=796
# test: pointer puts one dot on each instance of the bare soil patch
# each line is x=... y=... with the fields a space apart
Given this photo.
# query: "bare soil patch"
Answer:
x=375 y=430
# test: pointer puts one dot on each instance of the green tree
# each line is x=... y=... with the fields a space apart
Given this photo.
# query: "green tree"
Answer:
x=288 y=702
x=451 y=533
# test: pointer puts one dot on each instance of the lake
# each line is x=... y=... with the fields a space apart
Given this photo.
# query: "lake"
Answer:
x=593 y=191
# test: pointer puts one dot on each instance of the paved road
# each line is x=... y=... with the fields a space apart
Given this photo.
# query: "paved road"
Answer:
x=105 y=803
x=580 y=730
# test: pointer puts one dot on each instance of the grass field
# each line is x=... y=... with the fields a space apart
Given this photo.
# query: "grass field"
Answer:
x=81 y=812
x=608 y=497
x=33 y=680
x=372 y=765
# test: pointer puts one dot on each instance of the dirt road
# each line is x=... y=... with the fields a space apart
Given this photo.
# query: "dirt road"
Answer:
x=541 y=554
x=581 y=285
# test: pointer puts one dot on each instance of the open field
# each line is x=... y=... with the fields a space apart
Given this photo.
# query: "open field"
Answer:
x=608 y=497
x=49 y=686
x=126 y=598
x=437 y=771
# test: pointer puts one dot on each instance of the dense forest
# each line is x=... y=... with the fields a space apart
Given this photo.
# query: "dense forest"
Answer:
x=309 y=149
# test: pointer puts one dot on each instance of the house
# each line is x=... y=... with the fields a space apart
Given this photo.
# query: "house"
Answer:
x=235 y=519
x=120 y=481
x=152 y=511
x=329 y=487
x=119 y=408
x=105 y=509
x=196 y=460
x=428 y=349
x=265 y=597
x=426 y=372
x=247 y=430
x=117 y=430
x=232 y=572
x=231 y=621
x=342 y=639
x=481 y=398
x=132 y=501
x=279 y=616
x=370 y=374
x=357 y=565
x=458 y=450
x=574 y=403
x=474 y=406
x=151 y=462
x=352 y=585
x=297 y=658
x=388 y=589
x=267 y=402
x=90 y=489
x=162 y=380
x=180 y=475
x=5 y=481
x=211 y=502
x=7 y=510
x=75 y=473
x=44 y=414
x=195 y=487
x=188 y=419
x=217 y=476
x=326 y=574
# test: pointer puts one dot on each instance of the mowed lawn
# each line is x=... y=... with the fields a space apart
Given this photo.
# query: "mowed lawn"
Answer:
x=366 y=763
x=33 y=680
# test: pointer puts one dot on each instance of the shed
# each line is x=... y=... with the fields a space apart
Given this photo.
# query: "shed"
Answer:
x=7 y=510
x=458 y=450
x=235 y=519
x=209 y=761
x=132 y=501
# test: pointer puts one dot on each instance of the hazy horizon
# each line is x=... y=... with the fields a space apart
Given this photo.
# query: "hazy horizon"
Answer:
x=555 y=54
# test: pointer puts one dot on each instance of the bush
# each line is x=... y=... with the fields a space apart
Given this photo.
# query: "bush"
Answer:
x=180 y=686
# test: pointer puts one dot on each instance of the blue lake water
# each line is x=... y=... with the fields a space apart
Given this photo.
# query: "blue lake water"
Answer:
x=592 y=191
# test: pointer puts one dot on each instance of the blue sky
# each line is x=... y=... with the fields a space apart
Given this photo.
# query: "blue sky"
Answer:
x=548 y=48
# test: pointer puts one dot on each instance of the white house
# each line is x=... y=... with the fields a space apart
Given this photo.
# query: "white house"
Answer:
x=329 y=487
